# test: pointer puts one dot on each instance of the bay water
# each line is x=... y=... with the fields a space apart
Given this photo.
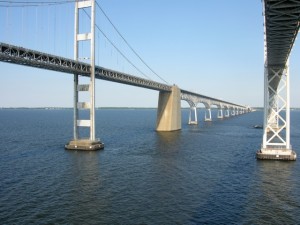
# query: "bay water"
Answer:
x=202 y=174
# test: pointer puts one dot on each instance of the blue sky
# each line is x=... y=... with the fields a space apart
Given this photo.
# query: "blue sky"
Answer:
x=211 y=47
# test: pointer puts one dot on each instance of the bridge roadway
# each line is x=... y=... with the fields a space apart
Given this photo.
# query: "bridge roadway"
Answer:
x=27 y=57
x=281 y=29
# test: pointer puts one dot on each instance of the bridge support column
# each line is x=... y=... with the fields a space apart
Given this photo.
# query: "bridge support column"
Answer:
x=233 y=112
x=169 y=110
x=227 y=113
x=276 y=136
x=193 y=110
x=207 y=114
x=90 y=143
x=220 y=113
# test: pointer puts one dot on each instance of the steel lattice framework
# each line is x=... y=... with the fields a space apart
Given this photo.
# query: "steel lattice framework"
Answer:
x=32 y=58
x=281 y=29
x=281 y=24
x=27 y=57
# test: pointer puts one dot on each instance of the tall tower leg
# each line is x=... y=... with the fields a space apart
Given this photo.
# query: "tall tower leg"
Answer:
x=276 y=136
x=90 y=143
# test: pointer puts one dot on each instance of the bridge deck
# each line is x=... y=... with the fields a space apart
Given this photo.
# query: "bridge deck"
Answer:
x=27 y=57
x=282 y=26
x=32 y=58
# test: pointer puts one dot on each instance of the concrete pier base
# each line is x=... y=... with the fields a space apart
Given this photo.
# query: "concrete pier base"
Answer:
x=169 y=110
x=276 y=154
x=85 y=145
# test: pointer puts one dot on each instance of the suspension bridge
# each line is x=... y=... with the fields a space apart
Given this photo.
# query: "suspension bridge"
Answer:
x=281 y=25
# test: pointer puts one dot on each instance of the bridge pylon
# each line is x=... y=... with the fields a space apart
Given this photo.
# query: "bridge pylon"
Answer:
x=87 y=143
x=276 y=137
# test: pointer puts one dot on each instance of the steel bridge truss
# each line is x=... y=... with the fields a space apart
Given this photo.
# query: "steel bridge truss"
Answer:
x=28 y=57
x=276 y=136
x=281 y=27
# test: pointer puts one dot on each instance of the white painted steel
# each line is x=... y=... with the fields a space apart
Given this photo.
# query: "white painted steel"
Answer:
x=83 y=123
x=84 y=4
x=85 y=87
x=92 y=83
x=83 y=105
x=84 y=37
x=277 y=110
x=75 y=92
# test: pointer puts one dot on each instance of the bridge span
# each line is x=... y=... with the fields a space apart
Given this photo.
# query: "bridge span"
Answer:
x=168 y=118
x=169 y=103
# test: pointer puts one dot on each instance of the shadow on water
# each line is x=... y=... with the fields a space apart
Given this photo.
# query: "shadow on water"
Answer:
x=168 y=140
x=273 y=199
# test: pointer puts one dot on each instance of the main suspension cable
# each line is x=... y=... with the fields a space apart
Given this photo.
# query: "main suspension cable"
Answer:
x=117 y=48
x=129 y=44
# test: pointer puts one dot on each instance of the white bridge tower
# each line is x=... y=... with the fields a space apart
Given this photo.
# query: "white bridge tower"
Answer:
x=86 y=143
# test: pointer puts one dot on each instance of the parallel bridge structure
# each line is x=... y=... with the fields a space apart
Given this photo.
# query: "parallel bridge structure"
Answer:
x=170 y=96
x=281 y=27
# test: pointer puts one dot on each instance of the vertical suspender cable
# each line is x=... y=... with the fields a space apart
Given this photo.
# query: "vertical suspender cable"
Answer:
x=36 y=29
x=54 y=32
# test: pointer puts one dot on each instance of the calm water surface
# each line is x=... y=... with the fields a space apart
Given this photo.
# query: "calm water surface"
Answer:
x=204 y=174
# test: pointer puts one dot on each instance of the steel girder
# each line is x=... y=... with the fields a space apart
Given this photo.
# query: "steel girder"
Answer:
x=27 y=57
x=281 y=28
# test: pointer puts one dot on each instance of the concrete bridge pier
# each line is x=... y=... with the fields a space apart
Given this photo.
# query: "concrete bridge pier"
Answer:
x=227 y=113
x=193 y=110
x=220 y=113
x=169 y=110
x=233 y=112
x=207 y=114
